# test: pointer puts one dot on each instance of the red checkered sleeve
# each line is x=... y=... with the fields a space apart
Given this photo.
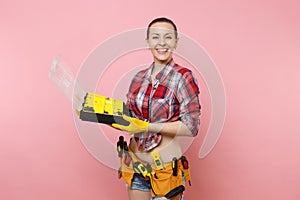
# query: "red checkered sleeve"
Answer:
x=188 y=97
x=134 y=89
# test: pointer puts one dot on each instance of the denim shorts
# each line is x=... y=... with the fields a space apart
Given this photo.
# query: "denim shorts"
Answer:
x=139 y=183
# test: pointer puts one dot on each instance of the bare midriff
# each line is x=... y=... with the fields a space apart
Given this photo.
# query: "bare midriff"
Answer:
x=168 y=148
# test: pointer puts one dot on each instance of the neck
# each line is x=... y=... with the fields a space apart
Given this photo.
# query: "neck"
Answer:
x=157 y=67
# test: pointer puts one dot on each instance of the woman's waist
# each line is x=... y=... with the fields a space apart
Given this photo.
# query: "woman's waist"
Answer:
x=168 y=148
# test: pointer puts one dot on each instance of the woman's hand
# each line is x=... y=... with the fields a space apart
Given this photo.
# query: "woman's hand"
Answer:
x=135 y=125
x=167 y=128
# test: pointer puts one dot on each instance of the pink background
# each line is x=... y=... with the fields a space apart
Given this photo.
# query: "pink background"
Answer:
x=255 y=45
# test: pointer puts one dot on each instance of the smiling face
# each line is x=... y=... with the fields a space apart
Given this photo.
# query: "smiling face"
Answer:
x=162 y=40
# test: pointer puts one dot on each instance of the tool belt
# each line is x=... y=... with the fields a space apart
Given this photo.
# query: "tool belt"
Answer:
x=166 y=182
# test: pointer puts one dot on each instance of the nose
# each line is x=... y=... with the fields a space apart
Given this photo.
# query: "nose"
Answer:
x=162 y=41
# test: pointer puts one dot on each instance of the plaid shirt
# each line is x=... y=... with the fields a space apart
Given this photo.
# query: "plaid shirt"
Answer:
x=171 y=97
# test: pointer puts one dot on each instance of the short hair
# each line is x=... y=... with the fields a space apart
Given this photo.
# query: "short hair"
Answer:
x=161 y=19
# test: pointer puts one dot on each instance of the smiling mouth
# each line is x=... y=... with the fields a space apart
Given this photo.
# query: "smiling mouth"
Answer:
x=162 y=50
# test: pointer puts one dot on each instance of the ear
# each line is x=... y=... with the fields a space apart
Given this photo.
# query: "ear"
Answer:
x=176 y=43
x=147 y=41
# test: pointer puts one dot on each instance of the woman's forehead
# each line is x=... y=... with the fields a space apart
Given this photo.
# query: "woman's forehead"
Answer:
x=161 y=27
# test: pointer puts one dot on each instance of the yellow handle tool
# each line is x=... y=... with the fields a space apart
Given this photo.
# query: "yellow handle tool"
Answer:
x=157 y=161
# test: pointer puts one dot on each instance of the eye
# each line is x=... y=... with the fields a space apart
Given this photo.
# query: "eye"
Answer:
x=169 y=37
x=154 y=37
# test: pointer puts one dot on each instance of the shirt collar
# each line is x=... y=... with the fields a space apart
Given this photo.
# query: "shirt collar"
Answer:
x=163 y=73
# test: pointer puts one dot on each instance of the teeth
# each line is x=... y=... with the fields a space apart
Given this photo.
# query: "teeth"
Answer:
x=162 y=50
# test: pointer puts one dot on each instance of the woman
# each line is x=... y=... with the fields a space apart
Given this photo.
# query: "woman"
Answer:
x=163 y=100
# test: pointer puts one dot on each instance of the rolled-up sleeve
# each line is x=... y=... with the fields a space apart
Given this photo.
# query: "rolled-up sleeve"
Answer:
x=188 y=97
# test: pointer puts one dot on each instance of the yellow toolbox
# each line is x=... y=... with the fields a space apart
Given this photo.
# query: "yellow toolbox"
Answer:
x=102 y=109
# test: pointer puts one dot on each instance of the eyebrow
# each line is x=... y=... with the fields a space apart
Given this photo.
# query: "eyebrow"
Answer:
x=159 y=34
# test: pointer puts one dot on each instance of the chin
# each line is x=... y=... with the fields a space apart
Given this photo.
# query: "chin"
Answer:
x=163 y=60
